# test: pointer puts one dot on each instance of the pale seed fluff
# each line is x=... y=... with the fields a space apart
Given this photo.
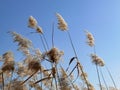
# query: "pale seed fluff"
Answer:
x=34 y=65
x=21 y=71
x=8 y=64
x=64 y=81
x=90 y=38
x=97 y=60
x=8 y=56
x=39 y=54
x=39 y=30
x=54 y=54
x=32 y=22
x=61 y=22
x=23 y=43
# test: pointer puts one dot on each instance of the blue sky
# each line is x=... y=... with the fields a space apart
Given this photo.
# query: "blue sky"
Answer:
x=100 y=17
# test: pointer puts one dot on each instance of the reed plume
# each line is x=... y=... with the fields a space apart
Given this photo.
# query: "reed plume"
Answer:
x=62 y=25
x=54 y=55
x=90 y=39
x=23 y=43
x=32 y=22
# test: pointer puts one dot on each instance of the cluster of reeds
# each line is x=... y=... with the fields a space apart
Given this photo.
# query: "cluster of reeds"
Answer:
x=31 y=72
x=99 y=63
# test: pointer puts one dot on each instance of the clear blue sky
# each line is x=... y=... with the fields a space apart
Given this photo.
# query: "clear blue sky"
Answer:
x=100 y=17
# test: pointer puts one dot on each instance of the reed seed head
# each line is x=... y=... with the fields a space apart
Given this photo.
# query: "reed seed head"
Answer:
x=32 y=22
x=90 y=39
x=8 y=56
x=61 y=23
x=97 y=60
x=39 y=30
x=23 y=43
x=54 y=54
x=8 y=66
x=34 y=65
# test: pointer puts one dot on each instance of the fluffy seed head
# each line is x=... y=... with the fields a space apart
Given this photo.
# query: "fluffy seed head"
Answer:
x=21 y=71
x=54 y=54
x=32 y=23
x=61 y=22
x=34 y=65
x=39 y=30
x=90 y=38
x=8 y=66
x=8 y=56
x=23 y=43
x=97 y=60
x=39 y=54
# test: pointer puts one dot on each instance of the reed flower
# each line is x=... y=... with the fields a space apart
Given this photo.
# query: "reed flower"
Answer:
x=8 y=64
x=61 y=22
x=32 y=22
x=97 y=60
x=90 y=38
x=8 y=56
x=34 y=65
x=64 y=81
x=39 y=30
x=23 y=43
x=54 y=54
x=39 y=54
x=22 y=70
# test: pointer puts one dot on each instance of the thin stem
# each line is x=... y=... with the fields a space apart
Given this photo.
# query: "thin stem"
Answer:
x=58 y=76
x=97 y=69
x=10 y=80
x=56 y=83
x=28 y=77
x=104 y=79
x=98 y=77
x=52 y=83
x=72 y=70
x=111 y=77
x=72 y=43
x=3 y=80
x=55 y=77
x=41 y=78
x=45 y=41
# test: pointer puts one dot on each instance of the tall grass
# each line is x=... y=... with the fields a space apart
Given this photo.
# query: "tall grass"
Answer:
x=31 y=73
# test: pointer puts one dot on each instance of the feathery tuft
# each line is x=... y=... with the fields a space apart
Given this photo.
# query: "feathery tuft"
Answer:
x=61 y=22
x=90 y=38
x=32 y=22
